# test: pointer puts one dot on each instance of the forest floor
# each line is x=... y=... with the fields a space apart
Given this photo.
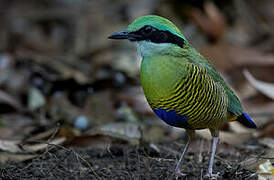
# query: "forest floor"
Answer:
x=135 y=162
x=72 y=105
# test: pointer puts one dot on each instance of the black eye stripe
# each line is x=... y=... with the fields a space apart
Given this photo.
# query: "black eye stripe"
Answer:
x=147 y=29
x=157 y=36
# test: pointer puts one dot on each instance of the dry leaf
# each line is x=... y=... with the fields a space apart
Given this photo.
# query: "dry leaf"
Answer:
x=269 y=142
x=265 y=170
x=252 y=164
x=6 y=157
x=113 y=133
x=10 y=146
x=6 y=98
x=264 y=87
x=129 y=132
x=43 y=145
x=95 y=141
x=126 y=131
x=43 y=135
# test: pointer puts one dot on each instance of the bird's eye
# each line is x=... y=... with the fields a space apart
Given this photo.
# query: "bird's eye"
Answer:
x=163 y=36
x=147 y=29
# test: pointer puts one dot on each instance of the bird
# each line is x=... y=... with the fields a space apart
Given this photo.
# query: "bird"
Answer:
x=181 y=86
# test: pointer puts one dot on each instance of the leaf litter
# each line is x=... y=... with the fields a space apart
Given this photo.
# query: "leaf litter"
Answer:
x=71 y=105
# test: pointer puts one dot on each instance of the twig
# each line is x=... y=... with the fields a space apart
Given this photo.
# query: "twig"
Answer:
x=64 y=148
x=78 y=156
x=159 y=159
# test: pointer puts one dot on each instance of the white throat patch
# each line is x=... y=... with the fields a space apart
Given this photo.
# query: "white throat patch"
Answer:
x=147 y=48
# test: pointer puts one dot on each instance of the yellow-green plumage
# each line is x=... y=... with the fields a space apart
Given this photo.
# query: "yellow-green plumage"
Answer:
x=174 y=84
x=181 y=86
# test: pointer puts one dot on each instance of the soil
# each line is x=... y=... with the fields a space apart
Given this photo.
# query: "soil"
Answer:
x=122 y=161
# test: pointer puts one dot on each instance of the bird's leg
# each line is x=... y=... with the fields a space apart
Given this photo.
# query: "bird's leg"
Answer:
x=177 y=172
x=215 y=139
x=213 y=150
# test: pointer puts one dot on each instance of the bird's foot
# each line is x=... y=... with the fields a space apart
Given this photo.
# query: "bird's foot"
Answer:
x=212 y=176
x=177 y=173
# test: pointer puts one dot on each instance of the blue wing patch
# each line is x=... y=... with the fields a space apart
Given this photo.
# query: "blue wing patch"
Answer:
x=246 y=120
x=172 y=118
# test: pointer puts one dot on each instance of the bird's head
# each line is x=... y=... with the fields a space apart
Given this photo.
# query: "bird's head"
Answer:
x=153 y=35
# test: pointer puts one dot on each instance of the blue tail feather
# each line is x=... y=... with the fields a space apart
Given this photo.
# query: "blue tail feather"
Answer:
x=245 y=120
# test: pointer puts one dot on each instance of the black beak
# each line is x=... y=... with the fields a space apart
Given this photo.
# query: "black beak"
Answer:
x=124 y=35
x=119 y=35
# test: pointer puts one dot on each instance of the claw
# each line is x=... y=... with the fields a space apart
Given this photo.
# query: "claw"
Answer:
x=212 y=176
x=180 y=174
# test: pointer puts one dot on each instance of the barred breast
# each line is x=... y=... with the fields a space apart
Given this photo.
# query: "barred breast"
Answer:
x=196 y=102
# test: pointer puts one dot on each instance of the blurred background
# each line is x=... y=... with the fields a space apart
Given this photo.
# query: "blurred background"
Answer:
x=63 y=82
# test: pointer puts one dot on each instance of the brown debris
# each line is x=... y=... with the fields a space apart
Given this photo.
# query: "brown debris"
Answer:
x=64 y=85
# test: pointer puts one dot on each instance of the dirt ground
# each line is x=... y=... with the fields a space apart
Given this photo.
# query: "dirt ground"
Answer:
x=134 y=162
x=63 y=82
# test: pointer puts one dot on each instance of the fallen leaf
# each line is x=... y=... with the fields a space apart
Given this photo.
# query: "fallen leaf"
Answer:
x=10 y=146
x=264 y=87
x=6 y=98
x=17 y=126
x=265 y=170
x=96 y=141
x=6 y=157
x=253 y=163
x=43 y=135
x=269 y=142
x=129 y=132
x=106 y=135
x=43 y=145
x=126 y=131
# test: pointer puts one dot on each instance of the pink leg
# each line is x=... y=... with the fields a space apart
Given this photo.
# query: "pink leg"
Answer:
x=177 y=172
x=211 y=161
